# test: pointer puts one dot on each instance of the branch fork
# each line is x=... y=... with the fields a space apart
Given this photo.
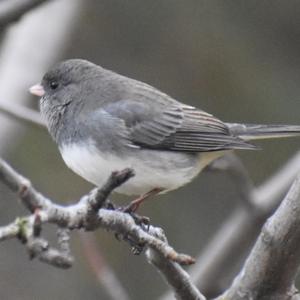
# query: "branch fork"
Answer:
x=91 y=212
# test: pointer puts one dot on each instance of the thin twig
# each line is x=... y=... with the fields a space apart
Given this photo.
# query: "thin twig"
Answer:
x=99 y=196
x=22 y=186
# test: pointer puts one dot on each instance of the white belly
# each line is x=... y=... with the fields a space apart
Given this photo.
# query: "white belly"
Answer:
x=153 y=169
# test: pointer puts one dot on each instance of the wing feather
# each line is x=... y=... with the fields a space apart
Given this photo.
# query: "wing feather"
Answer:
x=171 y=125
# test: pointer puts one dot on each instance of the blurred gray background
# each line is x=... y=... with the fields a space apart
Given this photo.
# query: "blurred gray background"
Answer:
x=238 y=60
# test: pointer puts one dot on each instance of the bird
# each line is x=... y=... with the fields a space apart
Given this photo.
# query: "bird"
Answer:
x=104 y=122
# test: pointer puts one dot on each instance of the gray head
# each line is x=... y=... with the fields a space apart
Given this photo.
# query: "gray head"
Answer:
x=62 y=88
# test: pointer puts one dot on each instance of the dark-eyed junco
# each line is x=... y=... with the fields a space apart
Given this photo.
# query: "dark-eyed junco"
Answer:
x=105 y=122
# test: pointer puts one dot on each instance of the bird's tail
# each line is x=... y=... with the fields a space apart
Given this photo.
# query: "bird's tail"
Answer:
x=250 y=132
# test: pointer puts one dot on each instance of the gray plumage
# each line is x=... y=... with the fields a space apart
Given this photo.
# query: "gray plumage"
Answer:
x=84 y=102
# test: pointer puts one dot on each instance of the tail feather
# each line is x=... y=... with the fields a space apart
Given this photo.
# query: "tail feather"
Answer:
x=255 y=131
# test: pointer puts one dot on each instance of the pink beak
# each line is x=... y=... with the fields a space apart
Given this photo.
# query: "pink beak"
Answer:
x=37 y=90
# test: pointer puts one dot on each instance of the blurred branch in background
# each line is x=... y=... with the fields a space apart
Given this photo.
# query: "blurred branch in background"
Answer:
x=235 y=169
x=27 y=50
x=238 y=233
x=12 y=10
x=271 y=268
x=103 y=272
x=22 y=113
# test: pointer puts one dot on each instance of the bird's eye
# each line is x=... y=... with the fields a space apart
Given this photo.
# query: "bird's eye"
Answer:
x=53 y=85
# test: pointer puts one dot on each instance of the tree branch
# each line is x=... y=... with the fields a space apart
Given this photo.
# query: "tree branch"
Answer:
x=88 y=214
x=271 y=268
x=175 y=276
x=240 y=230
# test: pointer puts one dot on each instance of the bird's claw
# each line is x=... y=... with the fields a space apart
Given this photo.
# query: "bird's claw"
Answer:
x=143 y=222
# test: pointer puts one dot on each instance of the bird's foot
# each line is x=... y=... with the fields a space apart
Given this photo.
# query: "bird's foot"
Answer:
x=142 y=221
x=136 y=248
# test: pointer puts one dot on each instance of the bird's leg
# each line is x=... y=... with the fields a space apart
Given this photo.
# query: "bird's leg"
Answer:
x=142 y=221
x=134 y=205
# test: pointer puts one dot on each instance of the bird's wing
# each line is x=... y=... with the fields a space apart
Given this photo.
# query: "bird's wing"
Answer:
x=173 y=127
x=105 y=129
